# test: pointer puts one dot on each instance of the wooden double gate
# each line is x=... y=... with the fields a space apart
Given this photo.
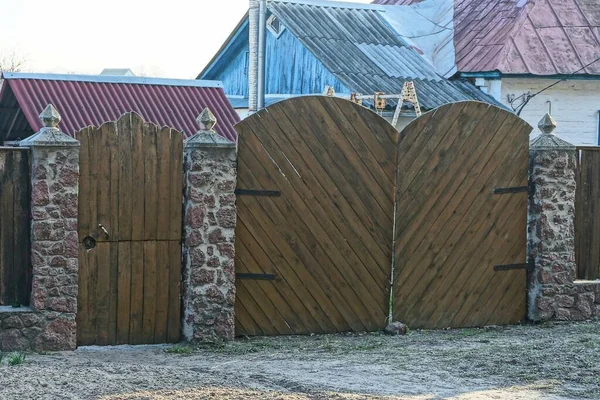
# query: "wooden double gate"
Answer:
x=130 y=225
x=340 y=218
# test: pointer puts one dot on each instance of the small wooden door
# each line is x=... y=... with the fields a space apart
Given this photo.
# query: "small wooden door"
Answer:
x=130 y=222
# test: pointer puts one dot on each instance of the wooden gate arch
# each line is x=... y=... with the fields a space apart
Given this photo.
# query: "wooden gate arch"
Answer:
x=315 y=218
x=461 y=227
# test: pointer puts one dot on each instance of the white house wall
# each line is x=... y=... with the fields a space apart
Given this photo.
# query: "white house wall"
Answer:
x=575 y=105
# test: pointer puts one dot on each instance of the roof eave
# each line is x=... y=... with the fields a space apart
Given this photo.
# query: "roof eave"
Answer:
x=233 y=37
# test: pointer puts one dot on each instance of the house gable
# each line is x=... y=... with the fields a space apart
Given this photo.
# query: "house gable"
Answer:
x=290 y=67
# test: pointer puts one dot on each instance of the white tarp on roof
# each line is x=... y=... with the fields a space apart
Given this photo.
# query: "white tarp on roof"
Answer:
x=429 y=27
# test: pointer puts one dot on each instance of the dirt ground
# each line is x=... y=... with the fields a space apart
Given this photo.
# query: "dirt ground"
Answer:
x=551 y=361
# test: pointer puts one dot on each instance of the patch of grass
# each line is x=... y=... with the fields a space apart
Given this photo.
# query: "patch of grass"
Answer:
x=16 y=359
x=179 y=349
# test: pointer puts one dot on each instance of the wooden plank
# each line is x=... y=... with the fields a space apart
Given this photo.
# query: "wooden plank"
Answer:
x=176 y=186
x=92 y=303
x=7 y=233
x=174 y=317
x=292 y=310
x=84 y=183
x=163 y=183
x=313 y=253
x=344 y=157
x=137 y=293
x=436 y=233
x=348 y=272
x=299 y=279
x=329 y=177
x=288 y=287
x=424 y=229
x=149 y=299
x=138 y=193
x=103 y=167
x=356 y=225
x=92 y=177
x=115 y=167
x=83 y=317
x=103 y=293
x=22 y=223
x=265 y=304
x=490 y=244
x=465 y=238
x=126 y=208
x=162 y=291
x=124 y=291
x=151 y=195
x=114 y=292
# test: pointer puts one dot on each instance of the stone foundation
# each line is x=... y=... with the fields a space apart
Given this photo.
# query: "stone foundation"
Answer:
x=25 y=329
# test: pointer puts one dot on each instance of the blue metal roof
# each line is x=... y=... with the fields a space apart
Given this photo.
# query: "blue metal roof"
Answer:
x=358 y=45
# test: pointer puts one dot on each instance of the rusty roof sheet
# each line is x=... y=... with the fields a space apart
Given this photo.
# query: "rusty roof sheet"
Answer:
x=539 y=37
x=84 y=100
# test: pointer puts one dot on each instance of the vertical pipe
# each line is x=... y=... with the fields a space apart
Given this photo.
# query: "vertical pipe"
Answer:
x=262 y=24
x=253 y=13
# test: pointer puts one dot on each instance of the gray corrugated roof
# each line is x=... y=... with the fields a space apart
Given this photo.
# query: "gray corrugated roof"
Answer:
x=366 y=54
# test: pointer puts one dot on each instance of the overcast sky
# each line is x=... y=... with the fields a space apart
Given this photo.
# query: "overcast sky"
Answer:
x=172 y=38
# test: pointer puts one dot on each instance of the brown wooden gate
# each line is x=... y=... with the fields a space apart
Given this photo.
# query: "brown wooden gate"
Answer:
x=315 y=213
x=130 y=222
x=587 y=214
x=462 y=209
x=15 y=266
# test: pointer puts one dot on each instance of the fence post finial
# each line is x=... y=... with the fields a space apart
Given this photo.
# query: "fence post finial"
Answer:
x=547 y=124
x=206 y=120
x=50 y=117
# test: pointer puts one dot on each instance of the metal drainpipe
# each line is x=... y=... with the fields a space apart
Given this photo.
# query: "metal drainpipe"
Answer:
x=262 y=25
x=253 y=13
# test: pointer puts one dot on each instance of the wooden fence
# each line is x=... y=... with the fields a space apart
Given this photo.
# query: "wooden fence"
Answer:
x=587 y=213
x=15 y=267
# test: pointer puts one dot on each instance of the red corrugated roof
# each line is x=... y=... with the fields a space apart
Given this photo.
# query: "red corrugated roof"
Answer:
x=92 y=100
x=541 y=37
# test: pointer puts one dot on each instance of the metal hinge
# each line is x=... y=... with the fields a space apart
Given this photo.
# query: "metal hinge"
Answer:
x=509 y=190
x=528 y=266
x=257 y=277
x=256 y=192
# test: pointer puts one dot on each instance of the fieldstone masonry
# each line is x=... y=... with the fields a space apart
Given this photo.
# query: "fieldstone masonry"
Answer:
x=49 y=323
x=553 y=290
x=209 y=227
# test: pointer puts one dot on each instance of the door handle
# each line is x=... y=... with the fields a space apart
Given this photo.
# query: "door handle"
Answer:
x=103 y=229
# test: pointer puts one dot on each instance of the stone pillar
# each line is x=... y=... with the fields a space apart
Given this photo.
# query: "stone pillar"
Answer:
x=552 y=165
x=209 y=228
x=54 y=241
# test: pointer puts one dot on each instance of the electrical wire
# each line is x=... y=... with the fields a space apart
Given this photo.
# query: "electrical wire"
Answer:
x=527 y=96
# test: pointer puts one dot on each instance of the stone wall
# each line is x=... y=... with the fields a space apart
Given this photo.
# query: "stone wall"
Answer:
x=553 y=290
x=209 y=231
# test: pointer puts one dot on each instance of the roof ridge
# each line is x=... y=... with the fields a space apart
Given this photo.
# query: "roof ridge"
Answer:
x=139 y=80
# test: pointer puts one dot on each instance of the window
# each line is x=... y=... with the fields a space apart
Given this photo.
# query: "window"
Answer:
x=275 y=26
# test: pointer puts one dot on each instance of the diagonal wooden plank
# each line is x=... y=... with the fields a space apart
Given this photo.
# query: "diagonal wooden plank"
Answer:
x=446 y=217
x=349 y=219
x=357 y=276
x=461 y=244
x=296 y=235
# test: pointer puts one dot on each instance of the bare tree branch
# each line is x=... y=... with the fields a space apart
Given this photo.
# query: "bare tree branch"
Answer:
x=12 y=62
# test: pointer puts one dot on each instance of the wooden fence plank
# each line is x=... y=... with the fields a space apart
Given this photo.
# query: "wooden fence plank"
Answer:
x=124 y=292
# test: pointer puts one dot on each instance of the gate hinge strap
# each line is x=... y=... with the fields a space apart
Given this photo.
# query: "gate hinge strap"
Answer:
x=257 y=192
x=509 y=190
x=259 y=277
x=529 y=266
